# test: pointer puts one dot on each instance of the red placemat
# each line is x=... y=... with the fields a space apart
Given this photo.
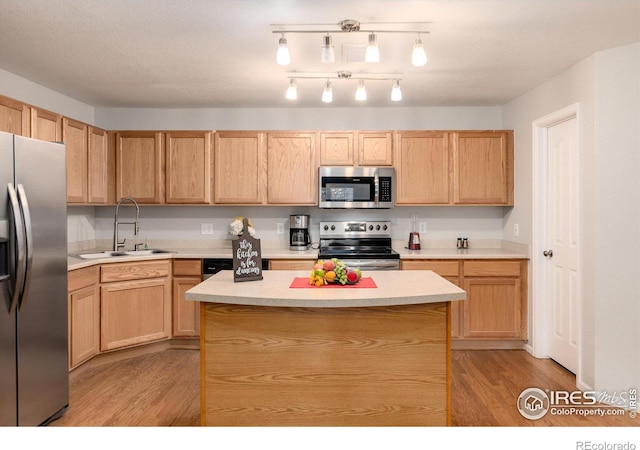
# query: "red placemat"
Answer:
x=303 y=282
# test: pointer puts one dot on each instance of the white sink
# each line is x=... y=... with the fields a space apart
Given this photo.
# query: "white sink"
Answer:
x=112 y=254
x=145 y=252
x=100 y=255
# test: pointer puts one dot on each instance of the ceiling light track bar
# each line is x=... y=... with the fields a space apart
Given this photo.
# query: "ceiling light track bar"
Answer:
x=340 y=31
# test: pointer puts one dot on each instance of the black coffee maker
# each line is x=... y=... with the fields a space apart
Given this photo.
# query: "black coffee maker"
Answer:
x=299 y=237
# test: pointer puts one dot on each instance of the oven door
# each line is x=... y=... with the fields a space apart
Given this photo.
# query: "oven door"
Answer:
x=372 y=264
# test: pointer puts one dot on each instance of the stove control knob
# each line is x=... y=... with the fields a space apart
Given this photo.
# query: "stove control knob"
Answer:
x=377 y=227
x=326 y=227
x=370 y=227
x=333 y=228
x=384 y=227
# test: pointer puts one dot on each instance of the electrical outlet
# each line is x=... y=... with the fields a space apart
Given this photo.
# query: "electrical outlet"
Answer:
x=516 y=229
x=423 y=227
x=280 y=229
x=206 y=228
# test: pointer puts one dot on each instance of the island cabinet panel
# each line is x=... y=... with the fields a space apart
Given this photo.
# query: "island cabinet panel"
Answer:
x=188 y=174
x=274 y=366
x=84 y=315
x=292 y=168
x=140 y=166
x=187 y=273
x=14 y=117
x=135 y=303
x=239 y=164
x=291 y=264
x=422 y=167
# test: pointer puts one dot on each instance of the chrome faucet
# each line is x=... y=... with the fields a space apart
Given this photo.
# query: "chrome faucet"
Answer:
x=116 y=243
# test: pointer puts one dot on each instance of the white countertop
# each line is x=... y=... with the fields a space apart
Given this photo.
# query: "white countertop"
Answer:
x=403 y=287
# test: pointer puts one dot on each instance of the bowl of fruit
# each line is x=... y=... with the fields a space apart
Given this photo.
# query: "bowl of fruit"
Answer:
x=333 y=271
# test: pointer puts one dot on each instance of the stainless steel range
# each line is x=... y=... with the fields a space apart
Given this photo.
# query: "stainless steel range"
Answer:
x=365 y=245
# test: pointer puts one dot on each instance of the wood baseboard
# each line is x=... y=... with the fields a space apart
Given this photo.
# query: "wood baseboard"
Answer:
x=469 y=344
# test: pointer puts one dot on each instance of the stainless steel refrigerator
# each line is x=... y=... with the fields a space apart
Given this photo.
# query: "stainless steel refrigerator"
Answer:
x=34 y=377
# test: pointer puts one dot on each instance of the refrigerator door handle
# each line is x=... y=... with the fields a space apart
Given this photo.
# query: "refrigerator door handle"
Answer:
x=20 y=248
x=28 y=236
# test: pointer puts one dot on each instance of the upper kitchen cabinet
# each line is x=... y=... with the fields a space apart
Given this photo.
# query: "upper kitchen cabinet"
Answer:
x=239 y=161
x=356 y=148
x=101 y=167
x=45 y=125
x=188 y=172
x=292 y=168
x=75 y=136
x=140 y=166
x=422 y=162
x=14 y=117
x=483 y=167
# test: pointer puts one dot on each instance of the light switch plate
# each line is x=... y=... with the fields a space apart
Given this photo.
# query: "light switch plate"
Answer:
x=280 y=228
x=206 y=228
x=423 y=227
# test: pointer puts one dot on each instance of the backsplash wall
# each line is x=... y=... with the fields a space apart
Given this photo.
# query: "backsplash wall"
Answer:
x=184 y=222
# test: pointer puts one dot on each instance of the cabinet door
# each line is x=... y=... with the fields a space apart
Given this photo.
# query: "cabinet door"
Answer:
x=75 y=137
x=483 y=167
x=292 y=168
x=188 y=174
x=139 y=166
x=422 y=168
x=84 y=325
x=186 y=314
x=239 y=163
x=291 y=264
x=100 y=167
x=135 y=312
x=336 y=148
x=14 y=117
x=45 y=125
x=492 y=308
x=375 y=148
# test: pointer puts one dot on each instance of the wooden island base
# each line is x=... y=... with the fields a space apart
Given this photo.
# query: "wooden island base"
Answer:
x=298 y=366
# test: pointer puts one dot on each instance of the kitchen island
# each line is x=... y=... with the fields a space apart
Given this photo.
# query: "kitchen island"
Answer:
x=275 y=355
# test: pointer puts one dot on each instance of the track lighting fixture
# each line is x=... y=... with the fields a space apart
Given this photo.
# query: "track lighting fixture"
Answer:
x=372 y=53
x=327 y=93
x=283 y=57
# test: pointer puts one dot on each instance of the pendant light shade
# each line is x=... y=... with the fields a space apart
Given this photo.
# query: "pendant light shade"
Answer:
x=418 y=56
x=327 y=94
x=283 y=57
x=327 y=55
x=292 y=90
x=372 y=54
x=361 y=92
x=396 y=93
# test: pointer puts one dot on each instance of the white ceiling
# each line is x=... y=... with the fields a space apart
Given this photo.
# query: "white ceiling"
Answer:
x=221 y=53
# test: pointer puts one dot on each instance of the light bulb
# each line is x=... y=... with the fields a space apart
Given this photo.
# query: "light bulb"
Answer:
x=283 y=57
x=418 y=56
x=361 y=92
x=327 y=55
x=396 y=93
x=327 y=94
x=372 y=53
x=292 y=90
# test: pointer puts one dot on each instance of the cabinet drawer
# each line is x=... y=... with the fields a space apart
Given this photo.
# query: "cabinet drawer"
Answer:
x=133 y=271
x=187 y=267
x=492 y=268
x=442 y=268
x=81 y=278
x=291 y=264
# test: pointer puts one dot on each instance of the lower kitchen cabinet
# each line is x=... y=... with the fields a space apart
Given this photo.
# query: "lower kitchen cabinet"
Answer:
x=187 y=273
x=292 y=264
x=494 y=315
x=135 y=303
x=84 y=315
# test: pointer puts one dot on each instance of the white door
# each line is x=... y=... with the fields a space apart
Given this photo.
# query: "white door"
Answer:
x=561 y=242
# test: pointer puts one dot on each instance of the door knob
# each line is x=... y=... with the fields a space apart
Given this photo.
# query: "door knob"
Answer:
x=548 y=253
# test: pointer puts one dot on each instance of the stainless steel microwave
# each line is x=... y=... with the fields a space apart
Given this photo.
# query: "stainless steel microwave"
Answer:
x=356 y=187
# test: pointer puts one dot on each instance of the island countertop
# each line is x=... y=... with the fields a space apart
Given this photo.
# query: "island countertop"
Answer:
x=394 y=287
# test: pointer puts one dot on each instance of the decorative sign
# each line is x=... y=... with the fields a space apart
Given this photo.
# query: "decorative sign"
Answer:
x=247 y=256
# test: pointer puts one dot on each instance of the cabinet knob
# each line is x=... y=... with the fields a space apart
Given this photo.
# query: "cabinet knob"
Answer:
x=548 y=253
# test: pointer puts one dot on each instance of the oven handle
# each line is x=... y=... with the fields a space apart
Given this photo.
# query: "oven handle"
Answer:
x=373 y=265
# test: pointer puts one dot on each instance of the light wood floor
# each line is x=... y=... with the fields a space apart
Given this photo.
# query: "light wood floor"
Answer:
x=162 y=389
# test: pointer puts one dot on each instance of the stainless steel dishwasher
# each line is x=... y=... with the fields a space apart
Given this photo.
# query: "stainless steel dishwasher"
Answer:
x=211 y=266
